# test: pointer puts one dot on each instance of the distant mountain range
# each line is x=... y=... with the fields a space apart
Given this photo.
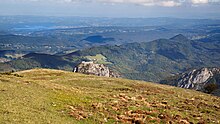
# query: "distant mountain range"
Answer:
x=150 y=61
x=153 y=61
x=52 y=35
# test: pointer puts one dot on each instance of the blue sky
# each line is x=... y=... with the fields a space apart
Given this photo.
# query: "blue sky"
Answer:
x=113 y=8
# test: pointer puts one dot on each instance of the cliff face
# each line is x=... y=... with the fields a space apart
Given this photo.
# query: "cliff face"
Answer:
x=196 y=79
x=204 y=79
x=95 y=69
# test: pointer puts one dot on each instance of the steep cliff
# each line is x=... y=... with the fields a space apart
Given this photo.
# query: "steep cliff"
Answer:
x=204 y=79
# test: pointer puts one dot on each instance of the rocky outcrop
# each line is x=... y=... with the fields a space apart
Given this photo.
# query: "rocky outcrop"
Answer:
x=196 y=79
x=204 y=79
x=92 y=68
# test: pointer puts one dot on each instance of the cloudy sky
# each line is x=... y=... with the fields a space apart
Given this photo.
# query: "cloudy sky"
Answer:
x=113 y=8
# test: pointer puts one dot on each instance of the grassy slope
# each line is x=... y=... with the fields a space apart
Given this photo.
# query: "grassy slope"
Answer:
x=52 y=96
x=99 y=58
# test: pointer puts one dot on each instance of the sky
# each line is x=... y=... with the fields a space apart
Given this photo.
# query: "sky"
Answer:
x=113 y=8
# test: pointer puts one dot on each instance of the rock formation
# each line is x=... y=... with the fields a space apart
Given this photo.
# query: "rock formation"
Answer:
x=204 y=79
x=197 y=79
x=92 y=68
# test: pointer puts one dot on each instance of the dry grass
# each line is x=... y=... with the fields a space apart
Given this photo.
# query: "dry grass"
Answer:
x=52 y=96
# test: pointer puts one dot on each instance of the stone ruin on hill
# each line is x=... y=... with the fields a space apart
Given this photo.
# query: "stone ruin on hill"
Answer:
x=92 y=68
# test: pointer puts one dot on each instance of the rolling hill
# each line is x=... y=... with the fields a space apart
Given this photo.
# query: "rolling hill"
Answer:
x=38 y=60
x=54 y=96
x=149 y=61
x=155 y=60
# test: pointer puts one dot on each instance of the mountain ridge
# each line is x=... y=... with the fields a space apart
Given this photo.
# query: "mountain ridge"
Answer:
x=150 y=61
x=146 y=57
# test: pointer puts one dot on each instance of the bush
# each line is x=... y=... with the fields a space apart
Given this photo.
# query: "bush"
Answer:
x=209 y=88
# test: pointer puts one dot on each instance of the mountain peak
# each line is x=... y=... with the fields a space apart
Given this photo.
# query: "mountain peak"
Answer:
x=179 y=37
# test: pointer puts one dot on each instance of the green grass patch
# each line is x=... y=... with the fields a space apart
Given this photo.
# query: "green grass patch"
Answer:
x=99 y=59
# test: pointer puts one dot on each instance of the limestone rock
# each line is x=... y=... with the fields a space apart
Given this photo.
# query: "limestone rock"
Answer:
x=92 y=68
x=197 y=78
x=204 y=79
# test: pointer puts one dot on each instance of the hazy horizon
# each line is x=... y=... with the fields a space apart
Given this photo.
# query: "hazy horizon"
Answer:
x=190 y=9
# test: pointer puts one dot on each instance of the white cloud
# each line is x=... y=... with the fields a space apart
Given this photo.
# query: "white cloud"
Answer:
x=164 y=3
x=170 y=3
x=200 y=1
